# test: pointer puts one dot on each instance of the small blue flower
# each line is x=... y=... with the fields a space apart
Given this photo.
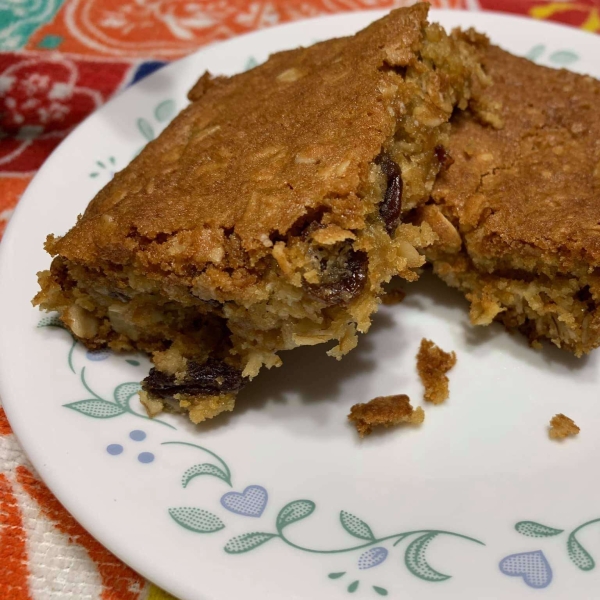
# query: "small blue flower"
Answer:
x=97 y=355
x=372 y=557
x=145 y=457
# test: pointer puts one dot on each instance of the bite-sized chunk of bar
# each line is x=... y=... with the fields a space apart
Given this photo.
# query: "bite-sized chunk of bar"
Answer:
x=518 y=212
x=268 y=214
x=432 y=364
x=385 y=411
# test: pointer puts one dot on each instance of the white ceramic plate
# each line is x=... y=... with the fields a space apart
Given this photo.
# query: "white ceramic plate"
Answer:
x=281 y=499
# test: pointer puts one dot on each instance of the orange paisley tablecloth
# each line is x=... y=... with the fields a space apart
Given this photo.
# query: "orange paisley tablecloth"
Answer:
x=59 y=61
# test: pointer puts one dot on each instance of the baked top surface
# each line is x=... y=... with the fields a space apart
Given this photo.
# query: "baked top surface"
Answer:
x=527 y=195
x=254 y=152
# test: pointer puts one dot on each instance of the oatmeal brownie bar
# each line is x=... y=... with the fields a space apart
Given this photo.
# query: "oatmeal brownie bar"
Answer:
x=518 y=212
x=268 y=214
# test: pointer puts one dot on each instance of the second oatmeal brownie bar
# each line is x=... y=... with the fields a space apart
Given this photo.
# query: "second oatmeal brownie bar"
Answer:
x=268 y=214
x=518 y=213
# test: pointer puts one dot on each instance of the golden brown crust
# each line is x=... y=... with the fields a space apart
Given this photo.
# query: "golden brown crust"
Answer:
x=433 y=364
x=255 y=152
x=385 y=411
x=561 y=427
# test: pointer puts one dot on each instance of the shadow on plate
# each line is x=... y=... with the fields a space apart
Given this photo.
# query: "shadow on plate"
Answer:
x=307 y=374
x=430 y=293
x=310 y=378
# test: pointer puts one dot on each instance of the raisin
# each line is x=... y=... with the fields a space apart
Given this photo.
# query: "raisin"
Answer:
x=391 y=206
x=444 y=158
x=208 y=379
x=343 y=278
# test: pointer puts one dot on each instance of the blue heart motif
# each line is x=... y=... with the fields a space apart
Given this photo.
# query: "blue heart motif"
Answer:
x=531 y=566
x=249 y=503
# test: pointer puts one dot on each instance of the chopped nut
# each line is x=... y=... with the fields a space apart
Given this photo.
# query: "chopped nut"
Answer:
x=561 y=427
x=81 y=322
x=449 y=239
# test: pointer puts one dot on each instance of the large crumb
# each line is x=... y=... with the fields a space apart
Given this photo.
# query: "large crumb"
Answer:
x=386 y=411
x=433 y=364
x=561 y=427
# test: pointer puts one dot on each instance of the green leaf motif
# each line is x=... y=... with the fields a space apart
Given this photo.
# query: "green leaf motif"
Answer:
x=124 y=392
x=51 y=321
x=196 y=519
x=294 y=511
x=250 y=63
x=203 y=469
x=135 y=363
x=536 y=530
x=579 y=555
x=353 y=586
x=247 y=541
x=165 y=110
x=416 y=562
x=356 y=527
x=536 y=52
x=564 y=57
x=97 y=409
x=336 y=575
x=145 y=129
x=379 y=590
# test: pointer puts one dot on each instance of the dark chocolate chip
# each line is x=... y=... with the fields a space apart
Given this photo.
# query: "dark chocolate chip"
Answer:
x=207 y=379
x=444 y=158
x=390 y=208
x=343 y=278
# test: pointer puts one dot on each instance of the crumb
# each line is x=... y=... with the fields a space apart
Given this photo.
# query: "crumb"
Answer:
x=433 y=364
x=386 y=411
x=561 y=427
x=394 y=296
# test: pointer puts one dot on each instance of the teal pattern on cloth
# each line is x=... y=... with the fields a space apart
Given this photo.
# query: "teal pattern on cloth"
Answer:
x=19 y=19
x=50 y=42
